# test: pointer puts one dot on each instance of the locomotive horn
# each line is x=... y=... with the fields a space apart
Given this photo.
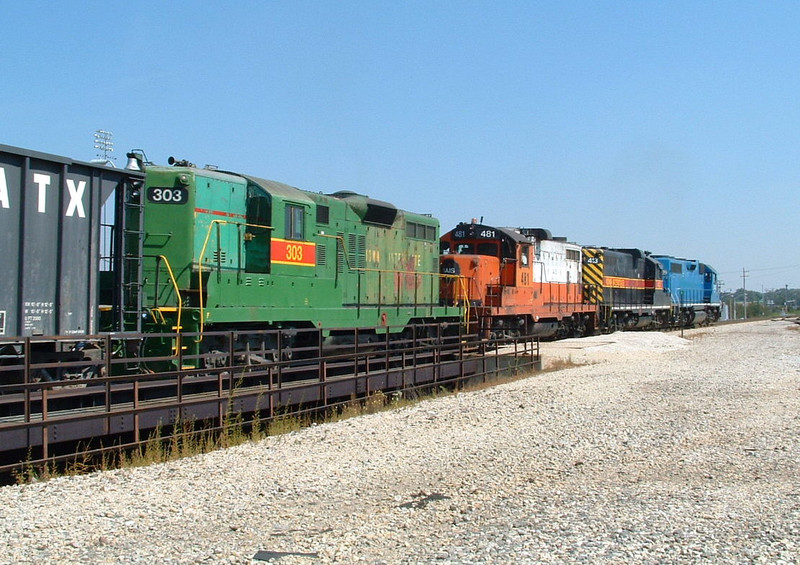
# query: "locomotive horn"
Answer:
x=180 y=162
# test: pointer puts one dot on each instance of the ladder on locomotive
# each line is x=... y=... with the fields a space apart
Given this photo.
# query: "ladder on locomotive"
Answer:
x=130 y=264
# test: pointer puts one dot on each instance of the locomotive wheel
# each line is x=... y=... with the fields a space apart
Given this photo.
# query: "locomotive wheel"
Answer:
x=215 y=358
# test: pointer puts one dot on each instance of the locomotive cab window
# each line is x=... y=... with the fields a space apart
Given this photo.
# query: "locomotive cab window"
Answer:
x=489 y=249
x=323 y=214
x=294 y=222
x=421 y=231
x=257 y=232
x=524 y=255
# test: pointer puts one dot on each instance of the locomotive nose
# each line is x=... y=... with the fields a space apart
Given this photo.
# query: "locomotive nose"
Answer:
x=449 y=267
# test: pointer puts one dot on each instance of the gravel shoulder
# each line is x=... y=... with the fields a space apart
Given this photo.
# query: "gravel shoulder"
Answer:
x=654 y=449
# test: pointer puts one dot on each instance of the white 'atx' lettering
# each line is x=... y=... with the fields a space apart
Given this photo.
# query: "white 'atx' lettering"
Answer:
x=75 y=198
x=42 y=181
x=3 y=189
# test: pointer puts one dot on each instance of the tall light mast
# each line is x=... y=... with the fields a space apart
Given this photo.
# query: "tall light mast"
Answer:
x=104 y=143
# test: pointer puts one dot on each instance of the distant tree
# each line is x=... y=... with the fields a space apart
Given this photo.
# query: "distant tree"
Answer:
x=769 y=303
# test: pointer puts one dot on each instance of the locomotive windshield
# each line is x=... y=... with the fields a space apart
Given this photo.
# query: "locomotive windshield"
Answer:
x=487 y=249
x=483 y=248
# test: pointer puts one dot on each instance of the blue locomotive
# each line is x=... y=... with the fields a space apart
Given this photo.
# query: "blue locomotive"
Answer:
x=693 y=289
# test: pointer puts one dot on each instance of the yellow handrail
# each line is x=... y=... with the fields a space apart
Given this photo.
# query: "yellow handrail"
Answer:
x=465 y=298
x=153 y=311
x=200 y=263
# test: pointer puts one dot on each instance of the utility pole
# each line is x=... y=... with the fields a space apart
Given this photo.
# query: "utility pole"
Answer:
x=786 y=301
x=744 y=290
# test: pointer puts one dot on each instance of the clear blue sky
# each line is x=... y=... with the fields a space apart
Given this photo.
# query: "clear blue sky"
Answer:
x=669 y=126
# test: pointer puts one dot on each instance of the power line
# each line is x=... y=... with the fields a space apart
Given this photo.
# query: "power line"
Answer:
x=786 y=268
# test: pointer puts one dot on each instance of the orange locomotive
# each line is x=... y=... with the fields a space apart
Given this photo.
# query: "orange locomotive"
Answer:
x=516 y=282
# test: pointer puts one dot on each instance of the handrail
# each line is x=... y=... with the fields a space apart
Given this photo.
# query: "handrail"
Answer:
x=338 y=238
x=174 y=282
x=368 y=270
x=461 y=294
x=465 y=294
x=200 y=263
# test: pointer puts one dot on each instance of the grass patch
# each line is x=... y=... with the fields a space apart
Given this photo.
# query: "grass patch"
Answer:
x=559 y=364
x=29 y=473
x=696 y=335
x=185 y=438
x=378 y=402
x=287 y=423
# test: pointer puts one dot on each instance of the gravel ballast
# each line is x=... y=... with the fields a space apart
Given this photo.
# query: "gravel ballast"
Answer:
x=660 y=449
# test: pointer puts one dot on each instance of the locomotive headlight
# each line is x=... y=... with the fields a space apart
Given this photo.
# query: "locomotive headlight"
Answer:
x=183 y=178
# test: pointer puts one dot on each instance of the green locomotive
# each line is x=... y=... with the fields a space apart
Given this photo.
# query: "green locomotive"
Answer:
x=225 y=251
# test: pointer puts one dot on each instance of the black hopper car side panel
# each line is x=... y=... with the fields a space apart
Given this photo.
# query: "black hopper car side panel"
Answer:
x=50 y=218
